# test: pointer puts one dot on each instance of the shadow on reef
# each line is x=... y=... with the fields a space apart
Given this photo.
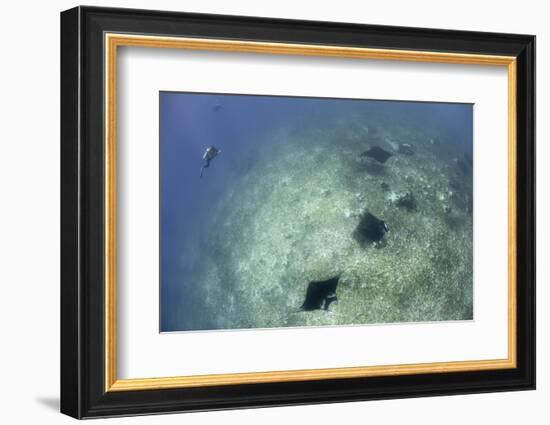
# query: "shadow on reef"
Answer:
x=406 y=201
x=372 y=167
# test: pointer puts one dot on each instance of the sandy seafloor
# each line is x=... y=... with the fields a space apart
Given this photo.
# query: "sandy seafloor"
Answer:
x=286 y=216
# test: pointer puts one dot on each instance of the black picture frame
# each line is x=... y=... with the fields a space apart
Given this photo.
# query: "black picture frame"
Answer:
x=83 y=392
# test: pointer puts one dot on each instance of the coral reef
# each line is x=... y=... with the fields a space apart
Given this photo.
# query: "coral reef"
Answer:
x=291 y=216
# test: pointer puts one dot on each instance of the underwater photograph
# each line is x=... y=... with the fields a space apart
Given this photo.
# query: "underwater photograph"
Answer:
x=281 y=211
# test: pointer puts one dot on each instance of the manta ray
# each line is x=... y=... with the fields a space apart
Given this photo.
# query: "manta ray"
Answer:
x=320 y=294
x=370 y=229
x=378 y=154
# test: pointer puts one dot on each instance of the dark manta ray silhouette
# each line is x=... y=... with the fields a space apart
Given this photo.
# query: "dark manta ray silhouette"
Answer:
x=320 y=294
x=377 y=153
x=370 y=229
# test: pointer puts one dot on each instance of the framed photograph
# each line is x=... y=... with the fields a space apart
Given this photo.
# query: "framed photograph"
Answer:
x=261 y=212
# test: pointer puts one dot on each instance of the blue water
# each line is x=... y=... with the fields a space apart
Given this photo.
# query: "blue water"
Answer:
x=238 y=125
